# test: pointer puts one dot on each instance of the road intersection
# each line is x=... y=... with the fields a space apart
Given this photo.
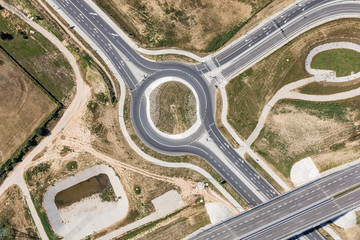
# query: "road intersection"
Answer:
x=252 y=187
x=139 y=73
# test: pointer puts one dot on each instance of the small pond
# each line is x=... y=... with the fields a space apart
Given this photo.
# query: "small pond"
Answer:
x=82 y=190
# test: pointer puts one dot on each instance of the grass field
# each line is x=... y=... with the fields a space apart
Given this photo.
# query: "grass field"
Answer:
x=197 y=25
x=329 y=132
x=323 y=88
x=249 y=92
x=175 y=110
x=343 y=61
x=14 y=213
x=23 y=106
x=38 y=56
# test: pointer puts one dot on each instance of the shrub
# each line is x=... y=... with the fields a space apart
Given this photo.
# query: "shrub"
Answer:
x=137 y=190
x=108 y=195
x=72 y=165
x=6 y=36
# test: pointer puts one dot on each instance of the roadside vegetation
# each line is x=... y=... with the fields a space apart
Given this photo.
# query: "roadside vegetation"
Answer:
x=343 y=61
x=327 y=131
x=184 y=173
x=173 y=107
x=219 y=123
x=250 y=91
x=23 y=107
x=40 y=58
x=199 y=25
x=177 y=225
x=15 y=218
x=324 y=88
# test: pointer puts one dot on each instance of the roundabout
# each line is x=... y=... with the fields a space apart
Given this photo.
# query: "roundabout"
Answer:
x=140 y=110
x=156 y=85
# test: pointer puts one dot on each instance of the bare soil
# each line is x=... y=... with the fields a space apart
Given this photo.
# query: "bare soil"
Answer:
x=94 y=137
x=349 y=233
x=292 y=133
x=15 y=215
x=22 y=107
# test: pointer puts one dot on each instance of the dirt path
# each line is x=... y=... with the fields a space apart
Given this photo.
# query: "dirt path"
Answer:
x=16 y=176
x=319 y=75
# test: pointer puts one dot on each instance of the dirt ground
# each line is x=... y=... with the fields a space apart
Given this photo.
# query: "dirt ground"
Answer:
x=349 y=233
x=22 y=107
x=94 y=137
x=15 y=215
x=327 y=132
x=187 y=24
x=286 y=65
x=173 y=107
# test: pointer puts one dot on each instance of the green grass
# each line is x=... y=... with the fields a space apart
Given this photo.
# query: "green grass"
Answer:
x=37 y=200
x=108 y=195
x=342 y=61
x=249 y=92
x=39 y=57
x=40 y=168
x=72 y=165
x=318 y=88
x=322 y=110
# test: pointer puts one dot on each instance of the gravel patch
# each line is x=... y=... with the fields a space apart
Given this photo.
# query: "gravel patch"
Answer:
x=90 y=214
x=218 y=212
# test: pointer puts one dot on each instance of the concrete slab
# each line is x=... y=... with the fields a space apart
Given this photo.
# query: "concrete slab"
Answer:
x=304 y=171
x=94 y=214
x=218 y=212
x=346 y=221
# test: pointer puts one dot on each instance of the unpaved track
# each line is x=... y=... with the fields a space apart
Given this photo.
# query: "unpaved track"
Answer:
x=16 y=176
x=287 y=92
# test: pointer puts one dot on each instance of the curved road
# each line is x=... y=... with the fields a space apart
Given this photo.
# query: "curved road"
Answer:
x=226 y=64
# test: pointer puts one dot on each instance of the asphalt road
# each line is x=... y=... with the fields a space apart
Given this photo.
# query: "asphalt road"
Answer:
x=121 y=55
x=294 y=212
x=231 y=60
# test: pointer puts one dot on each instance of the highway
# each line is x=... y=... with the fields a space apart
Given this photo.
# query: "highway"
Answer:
x=139 y=73
x=295 y=212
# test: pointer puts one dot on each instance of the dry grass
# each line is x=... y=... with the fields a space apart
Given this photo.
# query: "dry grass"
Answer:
x=15 y=214
x=170 y=57
x=189 y=24
x=182 y=224
x=219 y=124
x=174 y=108
x=249 y=92
x=23 y=106
x=328 y=132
